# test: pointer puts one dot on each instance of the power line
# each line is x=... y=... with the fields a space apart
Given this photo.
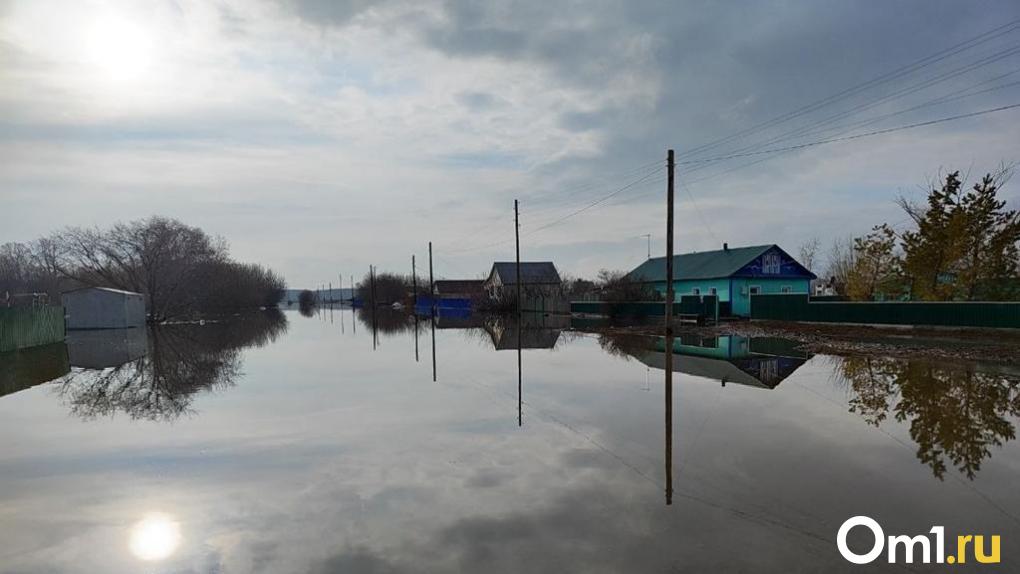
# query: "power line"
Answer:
x=984 y=61
x=612 y=194
x=595 y=203
x=853 y=137
x=879 y=80
x=941 y=100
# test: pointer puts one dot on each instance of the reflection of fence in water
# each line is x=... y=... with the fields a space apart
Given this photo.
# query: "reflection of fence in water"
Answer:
x=23 y=327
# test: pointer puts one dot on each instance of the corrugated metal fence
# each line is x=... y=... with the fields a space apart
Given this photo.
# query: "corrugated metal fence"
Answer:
x=22 y=327
x=797 y=307
x=705 y=306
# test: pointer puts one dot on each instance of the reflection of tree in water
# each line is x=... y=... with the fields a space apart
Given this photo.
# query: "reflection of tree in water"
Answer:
x=625 y=345
x=956 y=413
x=181 y=360
x=388 y=321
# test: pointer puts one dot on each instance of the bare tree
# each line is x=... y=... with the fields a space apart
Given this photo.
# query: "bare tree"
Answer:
x=809 y=253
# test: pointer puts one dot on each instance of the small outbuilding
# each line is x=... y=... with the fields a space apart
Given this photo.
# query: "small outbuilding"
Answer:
x=539 y=278
x=103 y=308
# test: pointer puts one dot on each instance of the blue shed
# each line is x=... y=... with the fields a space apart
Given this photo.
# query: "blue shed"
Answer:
x=732 y=274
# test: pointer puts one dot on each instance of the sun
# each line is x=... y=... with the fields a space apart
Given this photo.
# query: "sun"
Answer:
x=155 y=537
x=120 y=48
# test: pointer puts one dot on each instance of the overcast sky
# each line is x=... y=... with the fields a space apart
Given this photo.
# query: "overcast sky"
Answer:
x=319 y=137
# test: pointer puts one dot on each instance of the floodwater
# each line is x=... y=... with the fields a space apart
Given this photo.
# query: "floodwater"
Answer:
x=283 y=443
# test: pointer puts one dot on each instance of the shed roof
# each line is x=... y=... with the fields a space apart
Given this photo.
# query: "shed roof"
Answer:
x=702 y=265
x=532 y=272
x=105 y=289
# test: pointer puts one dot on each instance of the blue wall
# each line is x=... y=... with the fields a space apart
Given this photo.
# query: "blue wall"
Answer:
x=737 y=290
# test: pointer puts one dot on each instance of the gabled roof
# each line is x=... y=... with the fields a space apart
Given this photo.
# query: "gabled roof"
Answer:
x=105 y=289
x=532 y=272
x=705 y=264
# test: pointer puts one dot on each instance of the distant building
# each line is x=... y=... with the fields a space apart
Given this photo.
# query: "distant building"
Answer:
x=539 y=279
x=103 y=308
x=732 y=274
x=471 y=289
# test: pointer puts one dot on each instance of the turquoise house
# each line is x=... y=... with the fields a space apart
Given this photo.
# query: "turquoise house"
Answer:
x=732 y=274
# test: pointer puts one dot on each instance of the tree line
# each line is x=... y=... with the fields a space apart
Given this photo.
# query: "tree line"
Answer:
x=961 y=245
x=182 y=271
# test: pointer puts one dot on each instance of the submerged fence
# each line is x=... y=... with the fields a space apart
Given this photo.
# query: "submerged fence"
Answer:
x=22 y=327
x=797 y=307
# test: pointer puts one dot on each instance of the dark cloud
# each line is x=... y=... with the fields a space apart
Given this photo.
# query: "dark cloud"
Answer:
x=478 y=100
x=328 y=12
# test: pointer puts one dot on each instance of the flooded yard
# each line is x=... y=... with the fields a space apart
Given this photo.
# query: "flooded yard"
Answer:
x=284 y=443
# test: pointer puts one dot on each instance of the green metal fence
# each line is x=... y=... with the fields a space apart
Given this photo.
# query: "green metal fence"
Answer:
x=940 y=314
x=22 y=327
x=706 y=306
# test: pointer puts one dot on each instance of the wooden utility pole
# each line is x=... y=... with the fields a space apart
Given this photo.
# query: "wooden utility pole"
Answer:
x=371 y=279
x=669 y=328
x=432 y=306
x=669 y=242
x=432 y=287
x=517 y=240
x=520 y=315
x=414 y=283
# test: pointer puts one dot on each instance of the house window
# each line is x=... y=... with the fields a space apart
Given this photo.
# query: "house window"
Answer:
x=713 y=291
x=786 y=289
x=696 y=291
x=755 y=289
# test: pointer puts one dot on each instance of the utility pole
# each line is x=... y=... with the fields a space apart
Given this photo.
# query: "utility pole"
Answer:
x=648 y=236
x=371 y=279
x=669 y=327
x=414 y=282
x=669 y=243
x=517 y=240
x=432 y=305
x=432 y=287
x=520 y=316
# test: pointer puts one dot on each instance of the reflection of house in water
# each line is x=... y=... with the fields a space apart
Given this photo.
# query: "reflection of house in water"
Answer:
x=106 y=348
x=458 y=319
x=537 y=331
x=26 y=368
x=755 y=362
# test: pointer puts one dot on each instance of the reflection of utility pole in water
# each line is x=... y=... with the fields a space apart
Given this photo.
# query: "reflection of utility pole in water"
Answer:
x=520 y=316
x=669 y=420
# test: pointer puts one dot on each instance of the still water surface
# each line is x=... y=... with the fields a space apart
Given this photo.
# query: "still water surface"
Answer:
x=282 y=443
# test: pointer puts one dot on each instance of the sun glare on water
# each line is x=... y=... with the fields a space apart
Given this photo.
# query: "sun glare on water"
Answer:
x=119 y=47
x=155 y=537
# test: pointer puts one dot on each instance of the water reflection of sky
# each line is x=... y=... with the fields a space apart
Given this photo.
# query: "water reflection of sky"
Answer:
x=324 y=455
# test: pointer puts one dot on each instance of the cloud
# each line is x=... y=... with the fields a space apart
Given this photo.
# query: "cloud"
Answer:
x=399 y=110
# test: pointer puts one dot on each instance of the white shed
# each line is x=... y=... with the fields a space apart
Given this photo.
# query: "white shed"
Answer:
x=103 y=308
